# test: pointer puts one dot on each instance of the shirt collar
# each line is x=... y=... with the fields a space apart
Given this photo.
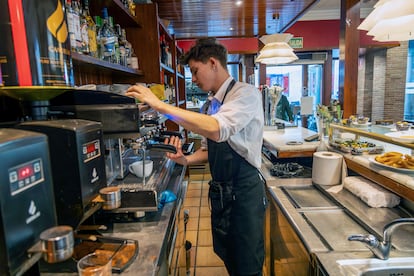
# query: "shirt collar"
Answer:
x=222 y=90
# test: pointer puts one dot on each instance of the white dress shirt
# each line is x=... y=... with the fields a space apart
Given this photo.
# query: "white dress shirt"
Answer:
x=241 y=120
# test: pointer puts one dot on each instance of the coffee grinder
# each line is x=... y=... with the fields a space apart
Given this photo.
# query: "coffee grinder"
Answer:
x=78 y=166
x=27 y=209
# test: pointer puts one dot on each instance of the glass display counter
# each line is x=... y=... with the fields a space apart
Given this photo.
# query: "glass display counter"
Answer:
x=361 y=145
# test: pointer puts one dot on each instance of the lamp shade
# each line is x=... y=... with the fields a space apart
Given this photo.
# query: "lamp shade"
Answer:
x=276 y=50
x=391 y=20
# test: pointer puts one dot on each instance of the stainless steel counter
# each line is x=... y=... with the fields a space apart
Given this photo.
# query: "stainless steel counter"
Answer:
x=153 y=232
x=323 y=228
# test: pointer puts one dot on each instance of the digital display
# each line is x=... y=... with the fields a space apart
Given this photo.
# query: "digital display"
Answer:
x=26 y=175
x=91 y=150
x=25 y=172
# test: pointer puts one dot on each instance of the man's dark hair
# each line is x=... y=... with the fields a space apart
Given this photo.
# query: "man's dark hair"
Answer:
x=204 y=49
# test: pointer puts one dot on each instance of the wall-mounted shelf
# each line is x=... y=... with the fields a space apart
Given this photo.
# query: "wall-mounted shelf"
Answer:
x=86 y=61
x=117 y=10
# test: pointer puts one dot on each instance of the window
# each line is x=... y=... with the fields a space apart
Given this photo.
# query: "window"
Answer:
x=409 y=86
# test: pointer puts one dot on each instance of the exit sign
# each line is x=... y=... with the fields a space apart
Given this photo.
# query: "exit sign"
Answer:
x=296 y=42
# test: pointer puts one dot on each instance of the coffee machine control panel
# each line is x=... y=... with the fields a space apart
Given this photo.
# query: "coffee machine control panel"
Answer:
x=24 y=176
x=91 y=150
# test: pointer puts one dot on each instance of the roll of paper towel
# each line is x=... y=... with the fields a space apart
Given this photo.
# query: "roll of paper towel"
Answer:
x=326 y=168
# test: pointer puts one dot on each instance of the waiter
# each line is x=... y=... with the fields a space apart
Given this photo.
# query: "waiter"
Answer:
x=233 y=131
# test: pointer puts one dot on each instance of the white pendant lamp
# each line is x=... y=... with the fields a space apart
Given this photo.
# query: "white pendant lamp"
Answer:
x=276 y=50
x=391 y=20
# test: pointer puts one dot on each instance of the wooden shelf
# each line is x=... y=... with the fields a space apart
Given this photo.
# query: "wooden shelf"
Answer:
x=117 y=10
x=86 y=61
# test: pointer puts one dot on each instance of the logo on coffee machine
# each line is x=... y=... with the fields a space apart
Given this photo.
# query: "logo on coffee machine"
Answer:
x=95 y=176
x=56 y=24
x=34 y=214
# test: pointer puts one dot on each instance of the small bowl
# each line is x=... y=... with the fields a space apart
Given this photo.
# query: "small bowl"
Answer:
x=401 y=126
x=362 y=120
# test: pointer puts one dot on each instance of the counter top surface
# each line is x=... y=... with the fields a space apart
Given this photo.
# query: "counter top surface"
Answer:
x=151 y=231
x=313 y=238
x=405 y=178
x=279 y=140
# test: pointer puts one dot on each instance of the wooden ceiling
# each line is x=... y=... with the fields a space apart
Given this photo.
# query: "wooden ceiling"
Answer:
x=190 y=19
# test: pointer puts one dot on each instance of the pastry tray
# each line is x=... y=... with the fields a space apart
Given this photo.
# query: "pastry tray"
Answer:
x=123 y=251
x=356 y=147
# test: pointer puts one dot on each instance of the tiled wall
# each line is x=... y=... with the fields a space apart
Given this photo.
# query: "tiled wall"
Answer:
x=381 y=83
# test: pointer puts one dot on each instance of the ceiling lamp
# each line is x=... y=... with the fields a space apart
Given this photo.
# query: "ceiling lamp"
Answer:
x=276 y=49
x=391 y=20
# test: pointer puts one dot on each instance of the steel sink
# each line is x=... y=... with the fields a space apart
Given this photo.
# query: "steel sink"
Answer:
x=403 y=266
x=406 y=271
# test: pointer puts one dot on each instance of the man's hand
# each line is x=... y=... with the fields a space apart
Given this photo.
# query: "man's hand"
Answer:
x=178 y=157
x=143 y=94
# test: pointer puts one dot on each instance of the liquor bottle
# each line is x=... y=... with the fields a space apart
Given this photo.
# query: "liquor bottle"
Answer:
x=124 y=48
x=107 y=37
x=116 y=55
x=132 y=60
x=84 y=47
x=98 y=22
x=76 y=23
x=91 y=30
x=163 y=47
x=71 y=25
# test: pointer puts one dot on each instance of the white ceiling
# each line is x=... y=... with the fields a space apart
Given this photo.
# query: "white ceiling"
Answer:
x=330 y=9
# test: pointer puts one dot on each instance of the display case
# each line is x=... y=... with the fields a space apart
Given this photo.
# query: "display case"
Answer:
x=395 y=178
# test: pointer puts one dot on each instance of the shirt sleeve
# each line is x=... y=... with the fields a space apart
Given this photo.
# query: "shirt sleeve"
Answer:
x=237 y=111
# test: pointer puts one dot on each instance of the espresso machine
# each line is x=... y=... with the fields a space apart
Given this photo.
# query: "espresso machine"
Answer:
x=131 y=132
x=27 y=209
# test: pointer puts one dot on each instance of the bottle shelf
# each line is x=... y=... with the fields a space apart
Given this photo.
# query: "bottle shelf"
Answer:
x=116 y=9
x=87 y=62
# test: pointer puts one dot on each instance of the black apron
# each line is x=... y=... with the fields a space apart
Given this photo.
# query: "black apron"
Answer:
x=238 y=203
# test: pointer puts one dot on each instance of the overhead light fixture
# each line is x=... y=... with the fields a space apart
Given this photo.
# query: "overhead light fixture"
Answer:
x=276 y=50
x=391 y=20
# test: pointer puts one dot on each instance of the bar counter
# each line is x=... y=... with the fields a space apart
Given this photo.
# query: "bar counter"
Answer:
x=289 y=141
x=327 y=247
x=154 y=233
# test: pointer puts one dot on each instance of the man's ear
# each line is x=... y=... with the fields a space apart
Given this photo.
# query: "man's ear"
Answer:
x=213 y=62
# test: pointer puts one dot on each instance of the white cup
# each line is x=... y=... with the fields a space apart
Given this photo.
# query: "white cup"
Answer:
x=137 y=168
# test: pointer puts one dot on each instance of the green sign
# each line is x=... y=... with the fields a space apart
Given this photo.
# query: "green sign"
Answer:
x=296 y=42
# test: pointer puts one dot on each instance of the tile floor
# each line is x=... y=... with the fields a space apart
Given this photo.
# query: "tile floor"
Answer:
x=204 y=262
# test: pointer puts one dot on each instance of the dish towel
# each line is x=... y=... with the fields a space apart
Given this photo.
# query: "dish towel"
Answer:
x=370 y=193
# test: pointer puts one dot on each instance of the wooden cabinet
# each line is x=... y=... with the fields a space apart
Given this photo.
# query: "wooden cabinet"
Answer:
x=144 y=31
x=157 y=69
x=285 y=252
